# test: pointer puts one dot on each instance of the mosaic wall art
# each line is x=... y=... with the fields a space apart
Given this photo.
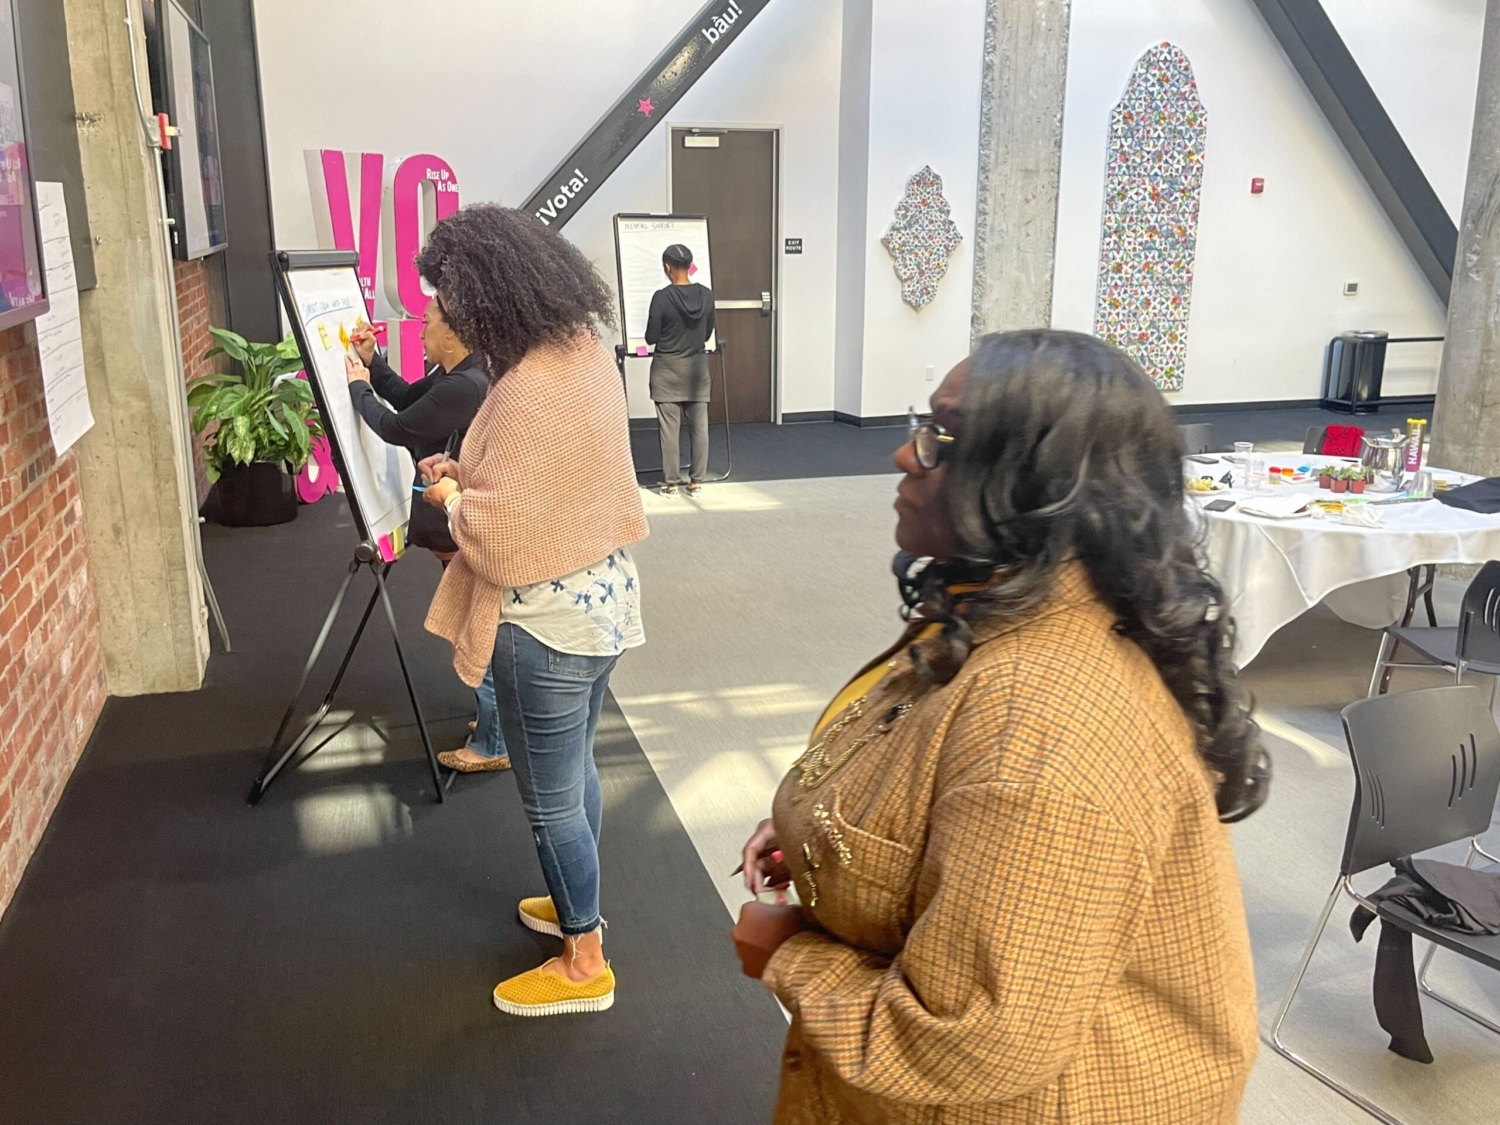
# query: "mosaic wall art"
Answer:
x=1152 y=188
x=922 y=238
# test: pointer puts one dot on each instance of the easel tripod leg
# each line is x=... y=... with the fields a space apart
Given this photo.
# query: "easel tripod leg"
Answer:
x=390 y=617
x=277 y=758
x=213 y=605
x=728 y=448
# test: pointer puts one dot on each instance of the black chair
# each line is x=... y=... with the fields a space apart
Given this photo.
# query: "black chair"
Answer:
x=1426 y=771
x=1471 y=646
x=1313 y=442
x=1198 y=438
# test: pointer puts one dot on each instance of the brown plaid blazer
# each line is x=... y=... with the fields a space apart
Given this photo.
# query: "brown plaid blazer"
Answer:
x=1029 y=911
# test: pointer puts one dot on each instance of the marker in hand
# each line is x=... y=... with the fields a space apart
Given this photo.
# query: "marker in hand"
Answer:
x=447 y=456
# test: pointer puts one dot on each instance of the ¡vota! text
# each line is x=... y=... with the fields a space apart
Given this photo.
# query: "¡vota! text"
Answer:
x=722 y=23
x=559 y=202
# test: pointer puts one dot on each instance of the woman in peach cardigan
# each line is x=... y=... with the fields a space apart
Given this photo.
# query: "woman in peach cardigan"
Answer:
x=1018 y=902
x=543 y=505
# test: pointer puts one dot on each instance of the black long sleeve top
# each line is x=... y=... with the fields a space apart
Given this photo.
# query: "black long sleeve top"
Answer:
x=427 y=413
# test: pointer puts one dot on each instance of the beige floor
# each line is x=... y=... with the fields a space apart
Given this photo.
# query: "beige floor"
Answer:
x=762 y=598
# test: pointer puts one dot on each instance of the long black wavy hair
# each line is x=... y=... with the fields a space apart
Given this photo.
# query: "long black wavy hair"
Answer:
x=1067 y=451
x=508 y=282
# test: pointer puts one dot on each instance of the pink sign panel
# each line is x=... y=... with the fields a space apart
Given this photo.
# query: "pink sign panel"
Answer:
x=420 y=189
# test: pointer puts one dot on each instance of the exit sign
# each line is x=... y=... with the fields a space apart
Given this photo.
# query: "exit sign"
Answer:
x=794 y=246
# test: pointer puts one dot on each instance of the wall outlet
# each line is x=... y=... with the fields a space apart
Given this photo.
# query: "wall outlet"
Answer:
x=1351 y=289
x=931 y=373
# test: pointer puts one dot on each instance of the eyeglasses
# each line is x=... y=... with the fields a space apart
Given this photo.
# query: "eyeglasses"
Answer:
x=927 y=438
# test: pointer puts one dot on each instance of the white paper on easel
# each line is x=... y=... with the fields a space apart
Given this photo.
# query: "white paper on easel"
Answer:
x=59 y=330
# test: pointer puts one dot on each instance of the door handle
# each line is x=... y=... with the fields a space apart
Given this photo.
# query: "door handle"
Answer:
x=765 y=303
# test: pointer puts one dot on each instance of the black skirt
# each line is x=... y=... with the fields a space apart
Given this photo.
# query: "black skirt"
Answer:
x=679 y=378
x=429 y=526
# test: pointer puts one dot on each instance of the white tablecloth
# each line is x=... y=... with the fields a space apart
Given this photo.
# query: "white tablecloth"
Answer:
x=1273 y=571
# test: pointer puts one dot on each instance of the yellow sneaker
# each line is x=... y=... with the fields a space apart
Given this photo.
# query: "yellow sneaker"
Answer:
x=540 y=915
x=542 y=993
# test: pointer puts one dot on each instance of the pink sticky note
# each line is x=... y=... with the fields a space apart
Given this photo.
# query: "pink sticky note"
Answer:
x=642 y=350
x=692 y=269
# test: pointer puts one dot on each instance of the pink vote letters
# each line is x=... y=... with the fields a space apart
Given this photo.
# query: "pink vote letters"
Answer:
x=421 y=190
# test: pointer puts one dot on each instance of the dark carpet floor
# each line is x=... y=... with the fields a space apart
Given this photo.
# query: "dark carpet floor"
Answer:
x=761 y=451
x=174 y=955
x=1292 y=424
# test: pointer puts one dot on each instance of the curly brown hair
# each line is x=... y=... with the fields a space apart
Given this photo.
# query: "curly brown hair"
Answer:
x=1067 y=451
x=508 y=283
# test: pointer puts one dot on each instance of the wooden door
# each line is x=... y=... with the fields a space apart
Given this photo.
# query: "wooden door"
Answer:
x=730 y=176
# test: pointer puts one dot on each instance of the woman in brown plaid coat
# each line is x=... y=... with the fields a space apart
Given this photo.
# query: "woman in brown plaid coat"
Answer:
x=1019 y=903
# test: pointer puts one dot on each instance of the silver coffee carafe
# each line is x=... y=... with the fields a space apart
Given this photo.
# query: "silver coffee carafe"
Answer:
x=1384 y=459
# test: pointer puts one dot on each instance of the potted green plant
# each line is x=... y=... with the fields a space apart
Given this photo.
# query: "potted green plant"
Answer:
x=259 y=423
x=1357 y=478
x=1326 y=475
x=1340 y=480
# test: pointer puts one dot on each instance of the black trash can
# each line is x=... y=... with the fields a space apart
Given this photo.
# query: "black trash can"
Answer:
x=1354 y=372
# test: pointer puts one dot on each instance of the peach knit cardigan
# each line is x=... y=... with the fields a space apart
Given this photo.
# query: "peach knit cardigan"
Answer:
x=548 y=489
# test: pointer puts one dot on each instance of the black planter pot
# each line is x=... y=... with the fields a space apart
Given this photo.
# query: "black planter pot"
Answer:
x=256 y=495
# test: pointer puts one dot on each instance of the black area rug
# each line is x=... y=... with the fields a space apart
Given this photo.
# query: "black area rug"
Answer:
x=762 y=451
x=1292 y=423
x=174 y=955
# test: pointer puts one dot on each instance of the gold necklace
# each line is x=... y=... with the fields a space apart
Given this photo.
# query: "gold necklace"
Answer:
x=824 y=757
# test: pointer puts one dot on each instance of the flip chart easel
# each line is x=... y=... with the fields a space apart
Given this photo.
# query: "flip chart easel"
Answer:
x=311 y=286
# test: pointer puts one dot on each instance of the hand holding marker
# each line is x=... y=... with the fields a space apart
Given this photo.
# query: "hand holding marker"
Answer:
x=433 y=462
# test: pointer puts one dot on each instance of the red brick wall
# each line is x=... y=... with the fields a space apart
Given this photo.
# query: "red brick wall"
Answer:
x=195 y=311
x=51 y=671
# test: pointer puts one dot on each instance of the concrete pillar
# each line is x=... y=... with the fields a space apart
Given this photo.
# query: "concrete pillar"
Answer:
x=1466 y=421
x=854 y=244
x=1020 y=162
x=135 y=464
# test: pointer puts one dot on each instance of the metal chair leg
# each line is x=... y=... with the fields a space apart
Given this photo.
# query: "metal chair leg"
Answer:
x=1274 y=1038
x=1307 y=956
x=1482 y=1021
x=1422 y=971
x=1413 y=591
x=1378 y=684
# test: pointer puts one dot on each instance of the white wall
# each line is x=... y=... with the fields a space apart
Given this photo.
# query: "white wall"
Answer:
x=1267 y=292
x=502 y=91
x=1421 y=57
x=925 y=70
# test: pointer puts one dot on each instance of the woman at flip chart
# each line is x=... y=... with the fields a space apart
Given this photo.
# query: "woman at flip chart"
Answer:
x=430 y=416
x=679 y=325
x=544 y=592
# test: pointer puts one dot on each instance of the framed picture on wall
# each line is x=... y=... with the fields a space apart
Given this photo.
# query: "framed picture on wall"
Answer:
x=182 y=87
x=23 y=287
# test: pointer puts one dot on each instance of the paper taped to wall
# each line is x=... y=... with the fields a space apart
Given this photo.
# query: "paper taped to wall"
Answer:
x=59 y=331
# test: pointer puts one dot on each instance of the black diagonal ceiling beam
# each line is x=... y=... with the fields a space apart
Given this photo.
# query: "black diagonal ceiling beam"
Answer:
x=646 y=102
x=1339 y=87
